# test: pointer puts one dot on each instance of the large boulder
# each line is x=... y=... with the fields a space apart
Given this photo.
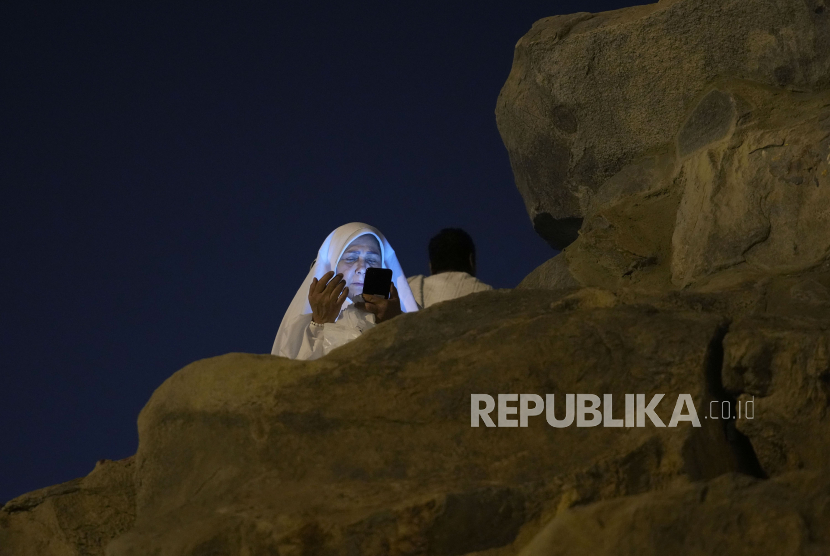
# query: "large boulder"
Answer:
x=747 y=205
x=77 y=518
x=588 y=94
x=370 y=450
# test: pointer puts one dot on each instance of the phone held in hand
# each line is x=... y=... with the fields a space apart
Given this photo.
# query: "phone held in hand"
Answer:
x=377 y=281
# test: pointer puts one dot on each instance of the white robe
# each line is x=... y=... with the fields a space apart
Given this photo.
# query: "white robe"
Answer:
x=444 y=286
x=297 y=338
x=318 y=341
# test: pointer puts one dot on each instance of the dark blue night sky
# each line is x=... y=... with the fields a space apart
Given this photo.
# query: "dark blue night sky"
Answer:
x=168 y=174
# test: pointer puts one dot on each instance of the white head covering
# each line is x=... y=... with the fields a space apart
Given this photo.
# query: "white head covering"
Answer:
x=290 y=335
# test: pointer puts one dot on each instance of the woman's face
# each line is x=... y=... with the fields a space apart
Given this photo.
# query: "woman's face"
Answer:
x=362 y=253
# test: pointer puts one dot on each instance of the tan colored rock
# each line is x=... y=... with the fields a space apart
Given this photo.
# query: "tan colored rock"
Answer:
x=627 y=245
x=783 y=367
x=740 y=293
x=732 y=515
x=625 y=242
x=589 y=94
x=553 y=274
x=760 y=195
x=750 y=205
x=806 y=295
x=370 y=450
x=77 y=518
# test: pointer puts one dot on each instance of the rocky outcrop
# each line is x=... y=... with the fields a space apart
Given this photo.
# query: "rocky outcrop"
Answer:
x=371 y=450
x=732 y=515
x=78 y=518
x=589 y=94
x=702 y=181
x=714 y=210
x=752 y=204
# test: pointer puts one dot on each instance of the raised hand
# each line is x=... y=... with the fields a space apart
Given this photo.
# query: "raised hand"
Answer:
x=326 y=296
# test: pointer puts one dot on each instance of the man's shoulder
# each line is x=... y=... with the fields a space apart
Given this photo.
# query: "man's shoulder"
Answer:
x=481 y=286
x=465 y=278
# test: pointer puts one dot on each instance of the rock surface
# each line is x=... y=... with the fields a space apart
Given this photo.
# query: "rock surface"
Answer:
x=750 y=206
x=589 y=94
x=77 y=518
x=759 y=197
x=370 y=450
x=552 y=274
x=706 y=190
x=783 y=367
x=732 y=515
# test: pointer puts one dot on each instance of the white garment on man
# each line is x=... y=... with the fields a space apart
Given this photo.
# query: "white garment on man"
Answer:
x=297 y=337
x=444 y=286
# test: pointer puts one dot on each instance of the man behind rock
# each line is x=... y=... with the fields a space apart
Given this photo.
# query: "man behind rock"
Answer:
x=452 y=265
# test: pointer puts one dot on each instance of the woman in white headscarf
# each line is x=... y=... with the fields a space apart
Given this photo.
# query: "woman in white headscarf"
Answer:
x=323 y=314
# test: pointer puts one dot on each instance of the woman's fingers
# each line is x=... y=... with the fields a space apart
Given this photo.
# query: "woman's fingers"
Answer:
x=333 y=284
x=370 y=302
x=334 y=288
x=326 y=296
x=328 y=284
x=320 y=285
x=377 y=305
x=336 y=294
x=343 y=295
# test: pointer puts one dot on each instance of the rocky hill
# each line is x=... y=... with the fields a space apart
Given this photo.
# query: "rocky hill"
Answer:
x=679 y=153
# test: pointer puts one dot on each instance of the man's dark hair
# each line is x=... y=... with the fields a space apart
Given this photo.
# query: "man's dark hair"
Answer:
x=452 y=249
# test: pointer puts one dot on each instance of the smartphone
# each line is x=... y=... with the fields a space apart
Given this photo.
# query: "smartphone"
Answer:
x=377 y=281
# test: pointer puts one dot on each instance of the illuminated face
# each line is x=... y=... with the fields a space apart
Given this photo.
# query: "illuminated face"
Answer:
x=362 y=253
